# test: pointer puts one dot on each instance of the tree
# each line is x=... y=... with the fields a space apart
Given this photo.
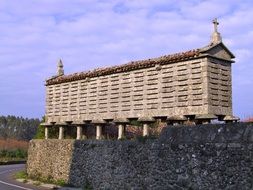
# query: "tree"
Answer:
x=18 y=127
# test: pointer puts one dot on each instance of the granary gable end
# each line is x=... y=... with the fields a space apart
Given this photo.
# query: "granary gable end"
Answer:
x=219 y=51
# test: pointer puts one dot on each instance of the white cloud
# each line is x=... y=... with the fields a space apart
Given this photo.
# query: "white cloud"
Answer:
x=93 y=33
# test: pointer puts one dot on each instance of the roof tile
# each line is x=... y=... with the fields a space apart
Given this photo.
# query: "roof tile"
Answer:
x=125 y=67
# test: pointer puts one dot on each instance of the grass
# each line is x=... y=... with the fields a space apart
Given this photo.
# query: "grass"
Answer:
x=18 y=153
x=12 y=155
x=21 y=175
x=38 y=180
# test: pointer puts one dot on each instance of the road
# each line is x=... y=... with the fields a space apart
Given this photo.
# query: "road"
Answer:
x=8 y=183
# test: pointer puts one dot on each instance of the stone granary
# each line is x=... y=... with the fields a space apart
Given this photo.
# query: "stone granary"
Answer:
x=189 y=86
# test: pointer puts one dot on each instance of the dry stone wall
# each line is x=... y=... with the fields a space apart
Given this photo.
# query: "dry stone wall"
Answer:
x=50 y=159
x=198 y=157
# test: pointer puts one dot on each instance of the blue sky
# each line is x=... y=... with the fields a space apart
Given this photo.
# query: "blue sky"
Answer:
x=86 y=34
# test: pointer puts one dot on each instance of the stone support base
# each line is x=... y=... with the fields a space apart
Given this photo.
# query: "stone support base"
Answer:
x=79 y=132
x=98 y=132
x=145 y=129
x=204 y=122
x=61 y=132
x=120 y=131
x=46 y=132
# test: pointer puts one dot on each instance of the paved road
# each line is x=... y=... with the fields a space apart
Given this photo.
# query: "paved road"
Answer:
x=8 y=183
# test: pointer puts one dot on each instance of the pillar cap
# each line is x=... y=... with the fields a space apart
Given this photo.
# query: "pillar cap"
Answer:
x=61 y=123
x=146 y=119
x=86 y=120
x=98 y=121
x=68 y=121
x=108 y=120
x=46 y=124
x=52 y=122
x=177 y=118
x=231 y=118
x=121 y=120
x=77 y=123
x=205 y=116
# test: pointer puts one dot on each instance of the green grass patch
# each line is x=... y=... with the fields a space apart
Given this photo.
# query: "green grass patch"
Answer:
x=21 y=175
x=48 y=180
x=38 y=180
x=12 y=156
x=17 y=153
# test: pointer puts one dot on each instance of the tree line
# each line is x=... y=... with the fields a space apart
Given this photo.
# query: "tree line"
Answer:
x=12 y=127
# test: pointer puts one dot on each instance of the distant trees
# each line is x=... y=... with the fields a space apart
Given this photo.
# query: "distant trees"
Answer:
x=18 y=127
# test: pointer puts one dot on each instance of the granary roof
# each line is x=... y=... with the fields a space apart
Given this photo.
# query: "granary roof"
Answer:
x=134 y=65
x=213 y=49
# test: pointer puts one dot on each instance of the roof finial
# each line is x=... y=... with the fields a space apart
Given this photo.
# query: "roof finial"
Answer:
x=215 y=23
x=60 y=70
x=216 y=37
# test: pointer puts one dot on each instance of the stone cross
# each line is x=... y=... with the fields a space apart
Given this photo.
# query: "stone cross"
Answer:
x=215 y=23
x=216 y=37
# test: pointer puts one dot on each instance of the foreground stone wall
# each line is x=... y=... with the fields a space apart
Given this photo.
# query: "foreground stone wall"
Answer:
x=50 y=159
x=199 y=157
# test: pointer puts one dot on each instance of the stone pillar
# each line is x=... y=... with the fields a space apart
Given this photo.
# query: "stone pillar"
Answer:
x=145 y=129
x=146 y=121
x=120 y=131
x=121 y=123
x=98 y=132
x=175 y=123
x=61 y=132
x=79 y=132
x=46 y=132
x=205 y=118
x=99 y=124
x=204 y=122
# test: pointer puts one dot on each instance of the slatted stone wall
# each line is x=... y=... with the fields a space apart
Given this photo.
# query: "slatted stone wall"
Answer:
x=220 y=87
x=180 y=88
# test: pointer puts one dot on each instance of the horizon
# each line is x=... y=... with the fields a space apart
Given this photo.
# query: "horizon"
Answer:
x=94 y=34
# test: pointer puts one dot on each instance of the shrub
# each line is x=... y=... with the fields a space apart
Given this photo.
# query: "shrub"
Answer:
x=19 y=153
x=40 y=133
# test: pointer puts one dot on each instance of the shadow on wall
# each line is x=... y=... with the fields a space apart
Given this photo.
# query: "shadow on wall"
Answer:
x=197 y=157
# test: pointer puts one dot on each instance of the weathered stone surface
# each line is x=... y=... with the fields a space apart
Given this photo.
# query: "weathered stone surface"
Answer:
x=221 y=133
x=50 y=159
x=193 y=85
x=198 y=157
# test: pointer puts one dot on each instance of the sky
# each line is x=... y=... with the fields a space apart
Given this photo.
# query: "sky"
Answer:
x=87 y=34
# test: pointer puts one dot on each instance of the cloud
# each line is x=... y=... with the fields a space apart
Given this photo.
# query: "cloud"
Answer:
x=88 y=34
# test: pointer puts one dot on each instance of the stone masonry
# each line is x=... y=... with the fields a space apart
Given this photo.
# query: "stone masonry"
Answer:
x=195 y=84
x=199 y=157
x=51 y=160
